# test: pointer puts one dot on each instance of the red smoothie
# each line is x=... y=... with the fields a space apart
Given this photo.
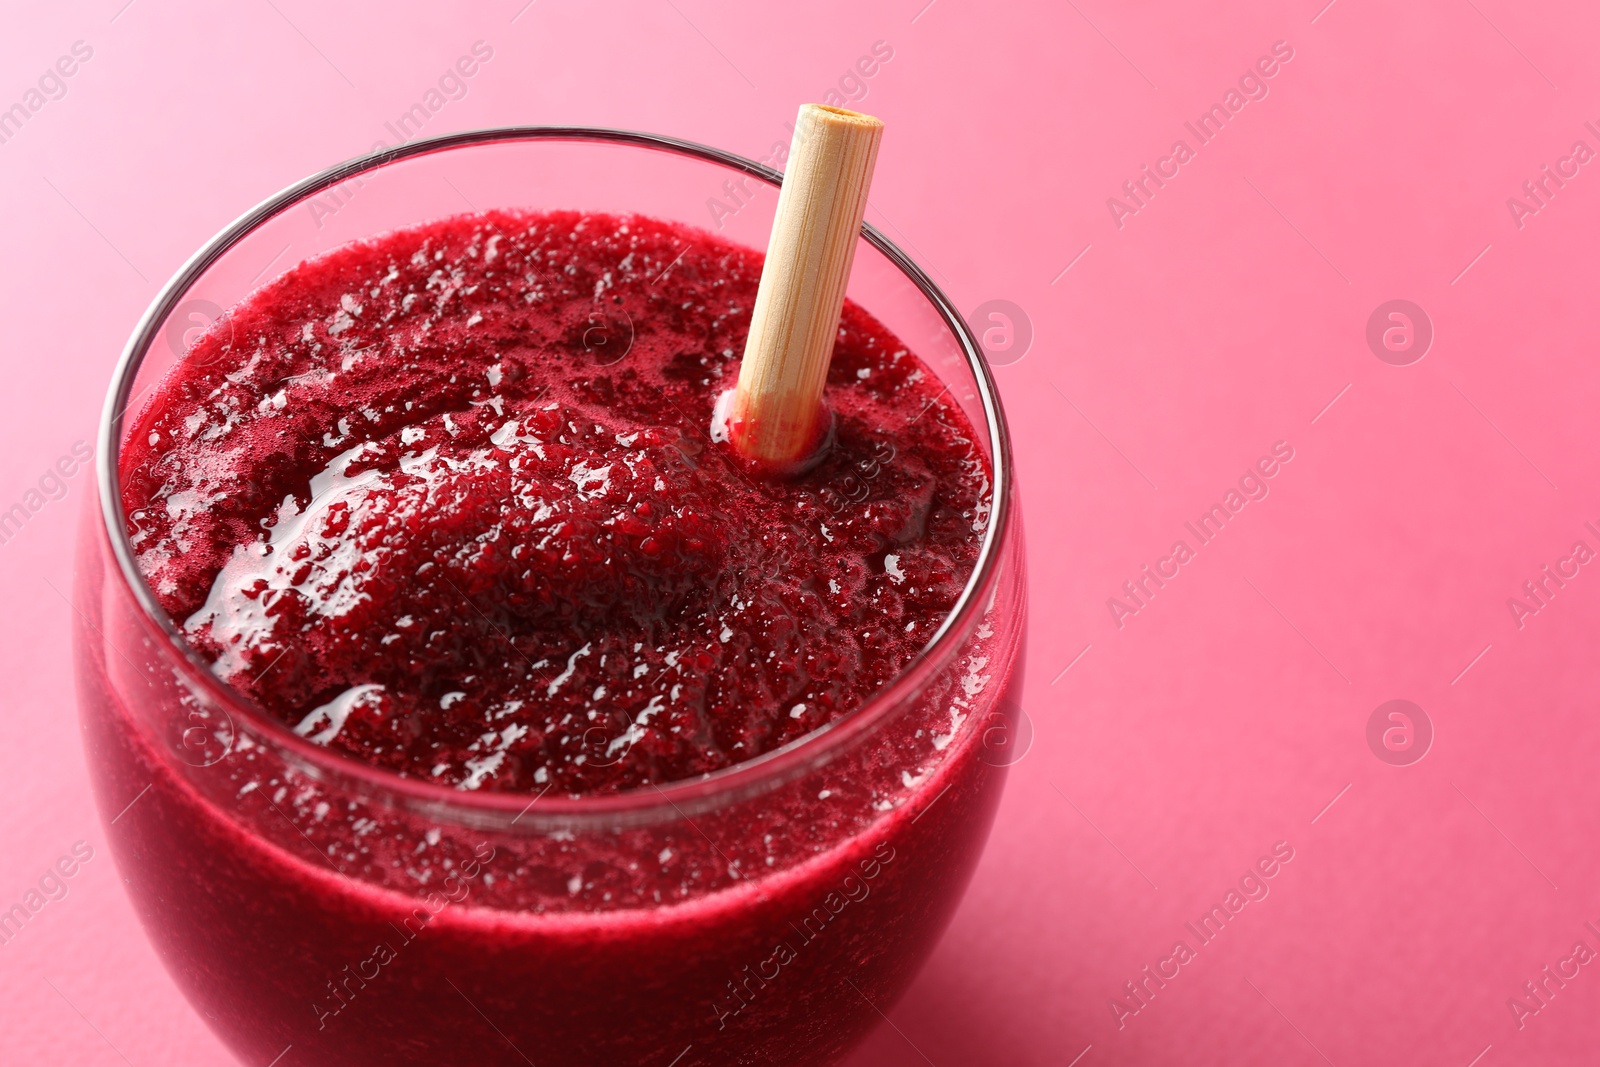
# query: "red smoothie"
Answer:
x=444 y=502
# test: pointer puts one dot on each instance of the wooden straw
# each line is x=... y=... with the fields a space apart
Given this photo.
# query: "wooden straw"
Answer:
x=775 y=417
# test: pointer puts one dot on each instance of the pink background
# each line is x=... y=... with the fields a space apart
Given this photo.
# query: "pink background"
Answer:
x=1230 y=712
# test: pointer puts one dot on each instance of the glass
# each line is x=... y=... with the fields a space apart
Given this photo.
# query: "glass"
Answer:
x=762 y=914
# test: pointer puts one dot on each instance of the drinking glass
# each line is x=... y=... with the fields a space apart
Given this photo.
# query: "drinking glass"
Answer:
x=317 y=910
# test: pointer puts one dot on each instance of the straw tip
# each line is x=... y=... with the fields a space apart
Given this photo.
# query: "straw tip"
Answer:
x=840 y=116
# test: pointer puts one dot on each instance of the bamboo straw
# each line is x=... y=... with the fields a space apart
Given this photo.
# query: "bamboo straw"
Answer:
x=775 y=416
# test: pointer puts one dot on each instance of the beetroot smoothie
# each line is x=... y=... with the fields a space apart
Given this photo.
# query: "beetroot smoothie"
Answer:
x=444 y=503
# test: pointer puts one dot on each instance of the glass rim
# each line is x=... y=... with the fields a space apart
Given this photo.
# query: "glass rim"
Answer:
x=446 y=800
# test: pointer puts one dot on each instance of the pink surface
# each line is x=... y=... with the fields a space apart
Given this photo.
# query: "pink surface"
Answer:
x=1170 y=353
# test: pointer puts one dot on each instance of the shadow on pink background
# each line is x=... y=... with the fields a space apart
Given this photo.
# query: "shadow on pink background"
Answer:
x=1185 y=328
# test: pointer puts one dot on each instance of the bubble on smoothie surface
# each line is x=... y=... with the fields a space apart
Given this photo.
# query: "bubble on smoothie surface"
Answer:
x=444 y=500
